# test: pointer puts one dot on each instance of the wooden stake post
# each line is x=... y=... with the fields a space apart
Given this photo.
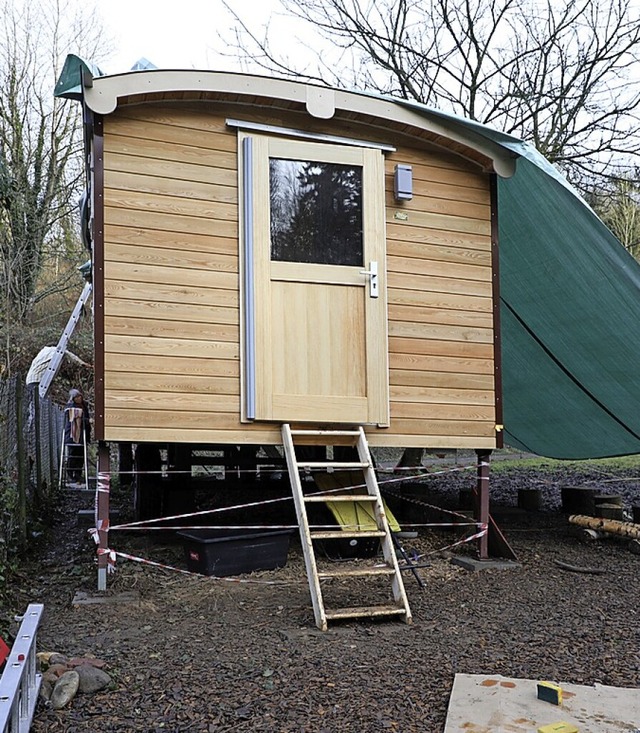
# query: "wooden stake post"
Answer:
x=482 y=500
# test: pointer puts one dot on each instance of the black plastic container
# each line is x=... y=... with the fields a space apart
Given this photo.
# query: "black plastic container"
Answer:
x=223 y=552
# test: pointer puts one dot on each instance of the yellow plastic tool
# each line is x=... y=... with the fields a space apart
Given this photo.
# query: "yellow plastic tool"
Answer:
x=558 y=727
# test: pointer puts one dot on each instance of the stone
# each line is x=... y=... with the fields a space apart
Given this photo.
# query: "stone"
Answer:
x=50 y=677
x=42 y=660
x=92 y=679
x=65 y=690
x=46 y=688
x=82 y=598
x=58 y=669
x=57 y=658
x=77 y=661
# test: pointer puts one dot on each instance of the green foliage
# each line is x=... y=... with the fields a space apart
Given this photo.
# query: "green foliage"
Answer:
x=8 y=513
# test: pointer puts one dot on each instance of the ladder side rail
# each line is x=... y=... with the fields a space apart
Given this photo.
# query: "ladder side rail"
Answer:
x=54 y=365
x=388 y=549
x=20 y=684
x=62 y=476
x=303 y=525
x=86 y=456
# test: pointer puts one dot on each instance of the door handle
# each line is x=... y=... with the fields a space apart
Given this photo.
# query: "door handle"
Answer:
x=372 y=272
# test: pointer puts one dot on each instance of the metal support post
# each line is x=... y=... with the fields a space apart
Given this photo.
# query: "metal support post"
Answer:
x=102 y=512
x=482 y=500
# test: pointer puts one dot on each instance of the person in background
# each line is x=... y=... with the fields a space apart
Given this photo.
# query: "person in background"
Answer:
x=77 y=433
x=41 y=362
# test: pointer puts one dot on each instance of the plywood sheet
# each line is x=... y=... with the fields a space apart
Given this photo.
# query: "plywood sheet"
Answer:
x=496 y=704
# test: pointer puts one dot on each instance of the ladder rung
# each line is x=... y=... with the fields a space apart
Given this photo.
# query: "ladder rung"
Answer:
x=347 y=534
x=377 y=528
x=325 y=432
x=340 y=497
x=332 y=464
x=355 y=572
x=365 y=612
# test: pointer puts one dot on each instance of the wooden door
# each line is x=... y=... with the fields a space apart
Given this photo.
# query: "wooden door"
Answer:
x=314 y=220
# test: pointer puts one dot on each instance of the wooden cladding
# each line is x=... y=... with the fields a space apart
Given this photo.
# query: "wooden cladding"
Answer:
x=441 y=332
x=172 y=319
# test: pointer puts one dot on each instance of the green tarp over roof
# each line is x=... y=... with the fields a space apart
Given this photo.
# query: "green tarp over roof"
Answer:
x=570 y=318
x=570 y=308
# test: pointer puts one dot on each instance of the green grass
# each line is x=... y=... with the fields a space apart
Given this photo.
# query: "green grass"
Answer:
x=622 y=463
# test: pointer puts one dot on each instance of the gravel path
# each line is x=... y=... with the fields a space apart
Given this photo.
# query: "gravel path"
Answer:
x=199 y=654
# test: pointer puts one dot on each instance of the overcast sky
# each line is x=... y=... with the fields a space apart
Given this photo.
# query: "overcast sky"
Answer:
x=184 y=34
x=180 y=35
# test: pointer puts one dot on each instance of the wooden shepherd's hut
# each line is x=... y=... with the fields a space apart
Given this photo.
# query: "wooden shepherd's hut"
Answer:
x=269 y=252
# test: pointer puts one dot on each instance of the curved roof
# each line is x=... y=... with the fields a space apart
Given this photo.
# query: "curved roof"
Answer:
x=570 y=293
x=103 y=94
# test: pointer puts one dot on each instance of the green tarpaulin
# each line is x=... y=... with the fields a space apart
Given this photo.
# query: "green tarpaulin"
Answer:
x=570 y=317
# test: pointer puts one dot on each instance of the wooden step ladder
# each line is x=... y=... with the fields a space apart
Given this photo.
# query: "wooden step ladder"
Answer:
x=400 y=607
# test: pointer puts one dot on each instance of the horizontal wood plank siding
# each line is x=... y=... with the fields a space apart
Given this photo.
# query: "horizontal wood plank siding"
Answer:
x=172 y=316
x=172 y=313
x=440 y=305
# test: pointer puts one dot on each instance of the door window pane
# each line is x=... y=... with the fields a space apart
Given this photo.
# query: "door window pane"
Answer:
x=316 y=212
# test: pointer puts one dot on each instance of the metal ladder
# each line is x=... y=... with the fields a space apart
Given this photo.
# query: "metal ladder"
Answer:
x=64 y=458
x=400 y=607
x=54 y=364
x=20 y=681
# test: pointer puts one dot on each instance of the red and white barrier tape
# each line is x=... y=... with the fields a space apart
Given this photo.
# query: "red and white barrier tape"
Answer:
x=112 y=554
x=176 y=528
x=275 y=469
x=483 y=531
x=111 y=558
x=420 y=503
x=148 y=523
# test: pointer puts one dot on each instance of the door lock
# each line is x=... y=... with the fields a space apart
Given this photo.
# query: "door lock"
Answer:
x=372 y=272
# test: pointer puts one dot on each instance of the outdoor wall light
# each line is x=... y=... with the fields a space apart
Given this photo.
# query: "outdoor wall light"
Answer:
x=403 y=182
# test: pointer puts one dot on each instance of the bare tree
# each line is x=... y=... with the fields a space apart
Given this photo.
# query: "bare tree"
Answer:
x=40 y=142
x=554 y=72
x=619 y=208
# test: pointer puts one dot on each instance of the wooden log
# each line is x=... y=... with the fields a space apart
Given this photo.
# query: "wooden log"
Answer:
x=578 y=499
x=608 y=499
x=529 y=499
x=611 y=526
x=610 y=511
x=634 y=547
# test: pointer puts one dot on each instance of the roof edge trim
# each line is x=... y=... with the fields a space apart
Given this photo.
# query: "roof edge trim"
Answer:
x=106 y=92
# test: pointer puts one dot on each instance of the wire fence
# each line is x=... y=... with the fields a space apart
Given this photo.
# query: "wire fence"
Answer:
x=30 y=444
